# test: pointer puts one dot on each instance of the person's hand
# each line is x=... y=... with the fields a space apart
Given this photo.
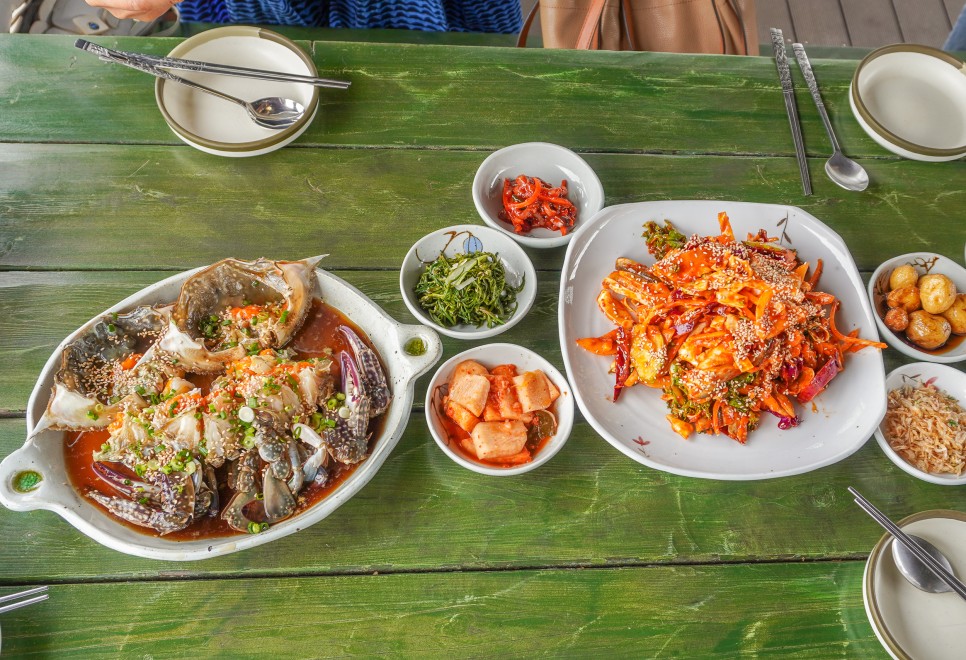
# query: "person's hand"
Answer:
x=139 y=10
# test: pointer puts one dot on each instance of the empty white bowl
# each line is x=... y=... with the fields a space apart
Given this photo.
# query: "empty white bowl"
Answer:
x=911 y=100
x=492 y=355
x=878 y=288
x=549 y=162
x=462 y=239
x=221 y=128
x=950 y=380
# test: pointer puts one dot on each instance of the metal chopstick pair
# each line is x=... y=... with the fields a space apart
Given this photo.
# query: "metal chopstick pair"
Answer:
x=123 y=57
x=23 y=603
x=938 y=570
x=788 y=91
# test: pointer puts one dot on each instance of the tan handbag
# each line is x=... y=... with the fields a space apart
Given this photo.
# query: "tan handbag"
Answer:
x=679 y=26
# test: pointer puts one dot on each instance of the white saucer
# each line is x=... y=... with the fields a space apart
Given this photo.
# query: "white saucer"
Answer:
x=218 y=127
x=908 y=622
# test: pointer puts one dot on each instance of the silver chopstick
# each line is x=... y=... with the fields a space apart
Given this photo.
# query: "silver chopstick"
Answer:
x=207 y=67
x=23 y=603
x=938 y=570
x=788 y=90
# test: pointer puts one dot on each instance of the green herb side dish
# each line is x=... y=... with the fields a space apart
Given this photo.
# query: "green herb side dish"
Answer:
x=467 y=288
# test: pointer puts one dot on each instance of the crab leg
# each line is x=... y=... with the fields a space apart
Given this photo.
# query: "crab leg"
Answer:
x=371 y=370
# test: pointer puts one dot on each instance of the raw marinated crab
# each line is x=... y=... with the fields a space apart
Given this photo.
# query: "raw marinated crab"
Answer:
x=246 y=447
x=236 y=308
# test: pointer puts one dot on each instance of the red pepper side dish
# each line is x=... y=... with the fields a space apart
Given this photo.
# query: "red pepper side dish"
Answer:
x=498 y=416
x=530 y=202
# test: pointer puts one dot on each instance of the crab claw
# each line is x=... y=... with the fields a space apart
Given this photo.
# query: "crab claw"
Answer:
x=175 y=511
x=122 y=483
x=373 y=376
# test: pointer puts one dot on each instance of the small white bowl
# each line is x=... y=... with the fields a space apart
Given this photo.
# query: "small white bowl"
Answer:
x=911 y=100
x=221 y=128
x=948 y=379
x=923 y=262
x=461 y=239
x=549 y=162
x=490 y=356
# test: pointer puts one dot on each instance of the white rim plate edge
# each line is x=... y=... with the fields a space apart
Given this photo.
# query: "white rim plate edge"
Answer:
x=389 y=338
x=866 y=365
x=870 y=597
x=926 y=370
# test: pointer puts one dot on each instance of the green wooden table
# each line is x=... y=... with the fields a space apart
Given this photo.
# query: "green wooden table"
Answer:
x=591 y=554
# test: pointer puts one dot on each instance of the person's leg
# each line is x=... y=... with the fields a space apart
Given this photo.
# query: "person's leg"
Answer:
x=957 y=38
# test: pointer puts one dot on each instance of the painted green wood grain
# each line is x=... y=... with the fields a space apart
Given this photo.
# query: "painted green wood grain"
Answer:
x=781 y=610
x=589 y=506
x=157 y=207
x=418 y=95
x=39 y=309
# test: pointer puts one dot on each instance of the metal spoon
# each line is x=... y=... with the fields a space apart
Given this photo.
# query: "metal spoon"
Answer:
x=840 y=169
x=272 y=112
x=915 y=571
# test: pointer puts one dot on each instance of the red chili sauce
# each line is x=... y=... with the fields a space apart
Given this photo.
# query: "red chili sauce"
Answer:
x=320 y=331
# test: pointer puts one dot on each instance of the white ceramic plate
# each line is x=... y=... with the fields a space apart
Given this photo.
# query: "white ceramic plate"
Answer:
x=44 y=453
x=462 y=239
x=221 y=128
x=908 y=622
x=492 y=355
x=544 y=160
x=846 y=413
x=948 y=379
x=911 y=100
x=923 y=262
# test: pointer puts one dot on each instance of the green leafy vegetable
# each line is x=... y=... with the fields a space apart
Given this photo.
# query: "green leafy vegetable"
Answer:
x=661 y=240
x=467 y=288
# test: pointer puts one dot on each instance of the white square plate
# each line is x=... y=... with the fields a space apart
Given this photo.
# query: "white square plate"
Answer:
x=842 y=418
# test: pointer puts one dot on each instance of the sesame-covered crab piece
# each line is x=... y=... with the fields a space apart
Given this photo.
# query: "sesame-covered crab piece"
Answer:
x=234 y=308
x=108 y=368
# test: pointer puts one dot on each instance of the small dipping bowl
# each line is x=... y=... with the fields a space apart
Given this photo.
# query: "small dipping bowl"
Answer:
x=924 y=262
x=950 y=380
x=549 y=162
x=492 y=355
x=911 y=100
x=218 y=127
x=461 y=239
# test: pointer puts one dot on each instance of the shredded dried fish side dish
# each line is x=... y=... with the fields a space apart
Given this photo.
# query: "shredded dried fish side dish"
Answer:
x=927 y=427
x=726 y=329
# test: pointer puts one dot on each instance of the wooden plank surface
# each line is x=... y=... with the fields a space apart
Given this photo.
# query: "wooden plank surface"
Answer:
x=873 y=23
x=820 y=21
x=419 y=96
x=134 y=207
x=714 y=612
x=923 y=22
x=430 y=558
x=953 y=10
x=774 y=14
x=589 y=506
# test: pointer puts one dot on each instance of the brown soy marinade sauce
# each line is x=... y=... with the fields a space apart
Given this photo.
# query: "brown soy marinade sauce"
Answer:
x=320 y=331
x=954 y=340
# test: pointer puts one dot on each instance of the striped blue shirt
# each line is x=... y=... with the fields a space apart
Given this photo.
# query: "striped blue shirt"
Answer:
x=427 y=15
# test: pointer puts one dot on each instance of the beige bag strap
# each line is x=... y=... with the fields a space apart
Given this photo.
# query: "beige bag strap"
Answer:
x=589 y=36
